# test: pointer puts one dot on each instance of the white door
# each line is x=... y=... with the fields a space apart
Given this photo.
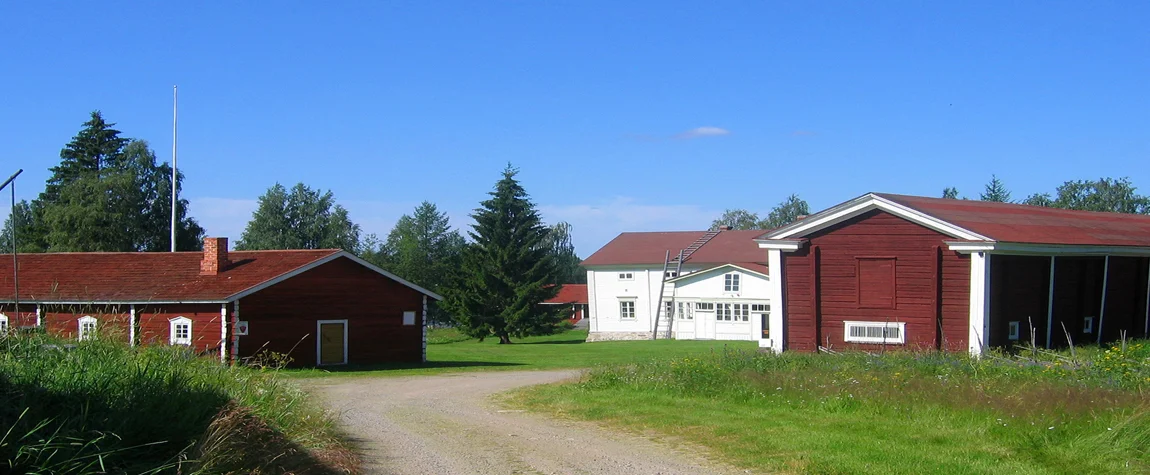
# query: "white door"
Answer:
x=705 y=325
x=685 y=321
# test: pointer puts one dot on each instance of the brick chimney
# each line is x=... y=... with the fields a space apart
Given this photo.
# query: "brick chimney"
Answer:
x=215 y=256
x=724 y=228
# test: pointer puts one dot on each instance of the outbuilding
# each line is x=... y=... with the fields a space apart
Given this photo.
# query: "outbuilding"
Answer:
x=320 y=307
x=885 y=270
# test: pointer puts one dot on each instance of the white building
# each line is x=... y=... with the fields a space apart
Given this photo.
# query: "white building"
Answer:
x=718 y=292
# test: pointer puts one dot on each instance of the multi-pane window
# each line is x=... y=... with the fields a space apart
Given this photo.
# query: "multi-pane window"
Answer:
x=626 y=309
x=705 y=306
x=723 y=312
x=626 y=276
x=668 y=308
x=686 y=311
x=670 y=274
x=731 y=283
x=742 y=312
x=3 y=324
x=761 y=307
x=87 y=328
x=180 y=331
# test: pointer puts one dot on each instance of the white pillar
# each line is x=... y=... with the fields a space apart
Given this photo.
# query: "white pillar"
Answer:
x=979 y=303
x=131 y=324
x=1102 y=307
x=1050 y=307
x=224 y=333
x=592 y=304
x=778 y=302
x=40 y=316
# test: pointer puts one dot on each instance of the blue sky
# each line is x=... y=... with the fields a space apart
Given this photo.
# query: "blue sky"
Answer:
x=622 y=116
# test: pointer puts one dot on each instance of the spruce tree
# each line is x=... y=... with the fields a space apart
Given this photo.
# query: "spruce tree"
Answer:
x=97 y=146
x=995 y=191
x=505 y=272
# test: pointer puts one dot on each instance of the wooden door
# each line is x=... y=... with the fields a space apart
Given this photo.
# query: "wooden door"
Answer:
x=332 y=342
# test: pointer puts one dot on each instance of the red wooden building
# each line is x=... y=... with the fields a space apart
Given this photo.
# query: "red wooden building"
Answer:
x=905 y=271
x=573 y=295
x=322 y=307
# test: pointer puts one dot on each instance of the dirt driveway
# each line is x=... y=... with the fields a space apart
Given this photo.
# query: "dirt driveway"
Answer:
x=447 y=424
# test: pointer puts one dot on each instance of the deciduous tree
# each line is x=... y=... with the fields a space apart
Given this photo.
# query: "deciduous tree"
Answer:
x=736 y=219
x=302 y=219
x=505 y=272
x=568 y=270
x=786 y=213
x=950 y=193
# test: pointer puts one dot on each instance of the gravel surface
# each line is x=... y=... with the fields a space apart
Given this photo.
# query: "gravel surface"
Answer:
x=447 y=424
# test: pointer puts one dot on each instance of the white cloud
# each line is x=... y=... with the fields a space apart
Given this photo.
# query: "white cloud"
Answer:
x=703 y=132
x=593 y=225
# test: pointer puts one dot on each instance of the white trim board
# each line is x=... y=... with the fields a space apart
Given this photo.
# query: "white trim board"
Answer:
x=712 y=269
x=1027 y=249
x=324 y=260
x=319 y=339
x=863 y=204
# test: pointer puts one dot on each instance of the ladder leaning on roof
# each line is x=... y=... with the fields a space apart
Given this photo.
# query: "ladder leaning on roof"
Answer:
x=678 y=261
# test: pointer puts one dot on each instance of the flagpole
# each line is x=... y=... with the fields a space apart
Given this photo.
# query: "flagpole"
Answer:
x=174 y=182
x=15 y=262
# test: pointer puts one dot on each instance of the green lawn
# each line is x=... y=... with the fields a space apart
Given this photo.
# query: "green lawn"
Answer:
x=898 y=413
x=563 y=350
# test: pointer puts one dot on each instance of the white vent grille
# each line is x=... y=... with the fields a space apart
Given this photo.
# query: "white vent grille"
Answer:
x=876 y=332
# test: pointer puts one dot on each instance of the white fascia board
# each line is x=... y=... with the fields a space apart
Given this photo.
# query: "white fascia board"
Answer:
x=324 y=260
x=787 y=245
x=863 y=204
x=1014 y=248
x=614 y=267
x=716 y=268
x=967 y=247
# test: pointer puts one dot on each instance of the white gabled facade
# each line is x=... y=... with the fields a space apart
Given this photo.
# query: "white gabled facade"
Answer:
x=724 y=302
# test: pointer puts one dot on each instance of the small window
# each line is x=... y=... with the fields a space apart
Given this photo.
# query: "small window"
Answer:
x=876 y=332
x=731 y=283
x=686 y=311
x=87 y=328
x=180 y=331
x=626 y=276
x=668 y=308
x=3 y=324
x=761 y=308
x=408 y=318
x=627 y=309
x=705 y=306
x=1012 y=331
x=876 y=282
x=1088 y=325
x=670 y=274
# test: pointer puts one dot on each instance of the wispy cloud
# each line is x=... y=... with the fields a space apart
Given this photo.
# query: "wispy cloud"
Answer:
x=593 y=225
x=699 y=132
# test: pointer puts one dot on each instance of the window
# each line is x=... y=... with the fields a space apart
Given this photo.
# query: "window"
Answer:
x=766 y=324
x=731 y=283
x=180 y=331
x=761 y=308
x=668 y=308
x=723 y=312
x=705 y=306
x=627 y=309
x=876 y=282
x=3 y=324
x=670 y=274
x=685 y=311
x=408 y=317
x=876 y=332
x=1012 y=331
x=742 y=312
x=626 y=276
x=87 y=328
x=1088 y=325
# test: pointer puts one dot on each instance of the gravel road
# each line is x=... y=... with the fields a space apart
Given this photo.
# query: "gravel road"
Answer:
x=447 y=424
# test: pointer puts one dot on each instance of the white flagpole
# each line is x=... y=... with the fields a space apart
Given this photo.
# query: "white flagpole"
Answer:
x=174 y=168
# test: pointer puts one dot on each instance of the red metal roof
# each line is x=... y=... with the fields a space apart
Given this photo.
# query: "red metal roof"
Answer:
x=1015 y=223
x=144 y=276
x=569 y=294
x=651 y=248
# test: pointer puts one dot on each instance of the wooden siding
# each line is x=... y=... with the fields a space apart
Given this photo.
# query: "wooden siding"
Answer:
x=822 y=286
x=153 y=325
x=1077 y=294
x=1019 y=290
x=112 y=321
x=26 y=317
x=282 y=318
x=1125 y=299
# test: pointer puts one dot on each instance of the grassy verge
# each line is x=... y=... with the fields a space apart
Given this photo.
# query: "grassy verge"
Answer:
x=101 y=407
x=897 y=413
x=563 y=350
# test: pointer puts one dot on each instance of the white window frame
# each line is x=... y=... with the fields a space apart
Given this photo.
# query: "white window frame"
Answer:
x=626 y=276
x=742 y=312
x=731 y=282
x=1087 y=324
x=686 y=311
x=86 y=320
x=623 y=312
x=1012 y=330
x=900 y=326
x=721 y=310
x=173 y=325
x=319 y=341
x=670 y=274
x=4 y=324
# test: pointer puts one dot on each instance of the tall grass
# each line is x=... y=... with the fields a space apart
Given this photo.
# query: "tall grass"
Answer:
x=102 y=407
x=894 y=413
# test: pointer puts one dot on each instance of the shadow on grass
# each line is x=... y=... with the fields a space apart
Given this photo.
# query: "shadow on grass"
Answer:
x=427 y=365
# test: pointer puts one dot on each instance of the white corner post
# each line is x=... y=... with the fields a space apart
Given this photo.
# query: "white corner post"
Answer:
x=40 y=316
x=423 y=358
x=778 y=305
x=131 y=324
x=224 y=333
x=1050 y=307
x=1102 y=307
x=592 y=304
x=235 y=350
x=979 y=303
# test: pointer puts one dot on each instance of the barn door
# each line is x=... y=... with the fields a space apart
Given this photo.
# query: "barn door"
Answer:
x=331 y=346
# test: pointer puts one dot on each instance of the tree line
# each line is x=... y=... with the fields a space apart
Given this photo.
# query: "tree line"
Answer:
x=108 y=193
x=1114 y=195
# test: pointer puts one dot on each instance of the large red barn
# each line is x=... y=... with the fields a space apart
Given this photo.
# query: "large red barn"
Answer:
x=905 y=271
x=321 y=307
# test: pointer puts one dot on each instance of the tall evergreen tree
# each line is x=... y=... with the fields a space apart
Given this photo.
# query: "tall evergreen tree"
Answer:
x=98 y=145
x=786 y=212
x=995 y=191
x=421 y=248
x=302 y=219
x=504 y=273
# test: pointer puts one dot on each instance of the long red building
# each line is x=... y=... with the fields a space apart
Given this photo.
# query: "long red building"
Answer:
x=320 y=307
x=886 y=270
